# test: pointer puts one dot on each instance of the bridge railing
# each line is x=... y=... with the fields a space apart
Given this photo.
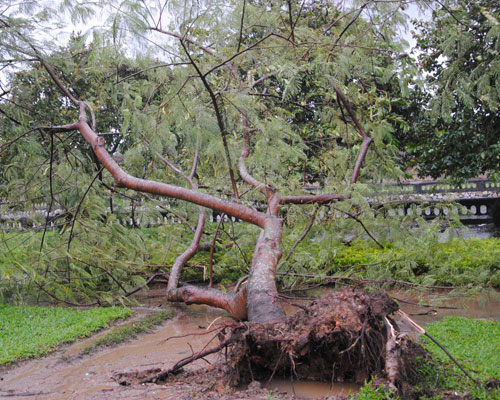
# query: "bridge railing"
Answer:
x=36 y=217
x=430 y=187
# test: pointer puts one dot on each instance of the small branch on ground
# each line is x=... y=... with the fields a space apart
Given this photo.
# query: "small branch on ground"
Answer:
x=424 y=332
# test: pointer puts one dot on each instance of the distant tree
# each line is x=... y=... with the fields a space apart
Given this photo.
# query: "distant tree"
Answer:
x=455 y=128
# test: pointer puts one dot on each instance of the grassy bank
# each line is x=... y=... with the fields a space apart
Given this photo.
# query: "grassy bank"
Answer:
x=30 y=331
x=474 y=343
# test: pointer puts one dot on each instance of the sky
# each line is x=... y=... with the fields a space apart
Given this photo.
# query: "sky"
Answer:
x=60 y=36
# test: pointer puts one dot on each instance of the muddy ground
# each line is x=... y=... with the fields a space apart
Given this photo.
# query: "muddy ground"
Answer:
x=67 y=375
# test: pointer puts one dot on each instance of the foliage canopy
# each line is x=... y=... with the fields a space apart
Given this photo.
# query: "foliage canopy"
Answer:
x=218 y=82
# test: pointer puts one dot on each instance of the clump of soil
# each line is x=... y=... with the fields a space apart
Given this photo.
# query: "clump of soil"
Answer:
x=341 y=336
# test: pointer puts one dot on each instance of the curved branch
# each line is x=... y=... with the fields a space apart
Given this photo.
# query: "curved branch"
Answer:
x=173 y=280
x=367 y=140
x=233 y=303
x=123 y=179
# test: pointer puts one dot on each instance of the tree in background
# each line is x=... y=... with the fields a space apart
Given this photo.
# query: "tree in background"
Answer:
x=455 y=127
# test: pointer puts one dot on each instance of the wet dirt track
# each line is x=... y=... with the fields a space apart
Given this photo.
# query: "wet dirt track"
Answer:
x=63 y=375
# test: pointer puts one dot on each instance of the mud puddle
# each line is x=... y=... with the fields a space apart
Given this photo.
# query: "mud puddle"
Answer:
x=89 y=377
x=313 y=390
x=425 y=308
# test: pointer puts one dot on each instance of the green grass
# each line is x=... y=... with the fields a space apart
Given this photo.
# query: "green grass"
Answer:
x=474 y=343
x=31 y=331
x=128 y=331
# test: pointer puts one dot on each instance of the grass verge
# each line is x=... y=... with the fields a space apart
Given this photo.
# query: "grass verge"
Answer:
x=128 y=331
x=474 y=343
x=32 y=331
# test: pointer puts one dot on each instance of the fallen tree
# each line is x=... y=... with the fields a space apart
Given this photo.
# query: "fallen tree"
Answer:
x=301 y=118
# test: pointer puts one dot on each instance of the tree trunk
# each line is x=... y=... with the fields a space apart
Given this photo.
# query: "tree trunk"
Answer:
x=262 y=296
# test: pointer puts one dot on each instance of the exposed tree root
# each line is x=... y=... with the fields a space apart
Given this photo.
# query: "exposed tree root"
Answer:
x=348 y=335
x=339 y=337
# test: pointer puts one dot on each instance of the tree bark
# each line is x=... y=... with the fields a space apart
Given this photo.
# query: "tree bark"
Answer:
x=262 y=302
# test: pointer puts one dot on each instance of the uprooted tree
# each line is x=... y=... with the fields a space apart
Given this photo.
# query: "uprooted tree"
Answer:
x=239 y=108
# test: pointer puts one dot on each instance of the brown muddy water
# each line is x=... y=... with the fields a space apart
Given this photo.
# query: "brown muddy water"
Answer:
x=313 y=390
x=65 y=375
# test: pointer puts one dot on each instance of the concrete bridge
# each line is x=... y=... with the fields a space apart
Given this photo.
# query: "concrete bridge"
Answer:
x=476 y=202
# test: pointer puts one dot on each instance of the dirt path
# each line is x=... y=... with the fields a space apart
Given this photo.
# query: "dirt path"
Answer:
x=63 y=375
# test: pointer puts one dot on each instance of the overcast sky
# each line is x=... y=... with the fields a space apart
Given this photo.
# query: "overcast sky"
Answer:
x=60 y=36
